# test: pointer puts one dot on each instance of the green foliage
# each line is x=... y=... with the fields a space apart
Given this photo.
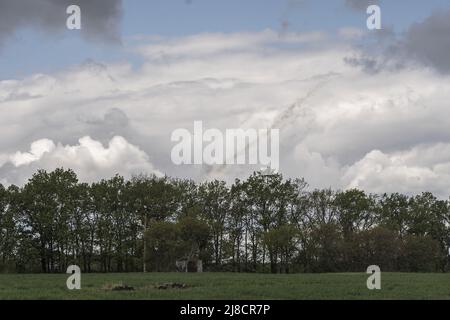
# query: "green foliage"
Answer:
x=263 y=224
x=169 y=241
x=163 y=246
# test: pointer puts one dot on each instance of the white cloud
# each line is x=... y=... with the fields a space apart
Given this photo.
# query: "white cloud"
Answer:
x=221 y=43
x=351 y=32
x=332 y=116
x=412 y=171
x=89 y=158
x=38 y=149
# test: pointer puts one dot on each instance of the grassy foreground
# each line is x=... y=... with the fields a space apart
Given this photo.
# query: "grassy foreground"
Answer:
x=228 y=286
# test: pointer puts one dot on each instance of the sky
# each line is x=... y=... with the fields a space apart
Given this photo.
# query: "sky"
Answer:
x=30 y=49
x=356 y=108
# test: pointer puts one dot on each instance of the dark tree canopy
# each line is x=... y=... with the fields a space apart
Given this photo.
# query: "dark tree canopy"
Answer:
x=263 y=224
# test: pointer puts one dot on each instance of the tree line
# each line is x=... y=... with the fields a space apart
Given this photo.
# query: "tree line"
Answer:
x=262 y=224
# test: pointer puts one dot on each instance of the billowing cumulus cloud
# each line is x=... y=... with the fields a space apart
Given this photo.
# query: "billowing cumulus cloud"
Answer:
x=89 y=159
x=339 y=126
x=411 y=171
x=100 y=18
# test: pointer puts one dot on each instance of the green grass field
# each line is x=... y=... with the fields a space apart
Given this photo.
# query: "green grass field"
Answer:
x=228 y=286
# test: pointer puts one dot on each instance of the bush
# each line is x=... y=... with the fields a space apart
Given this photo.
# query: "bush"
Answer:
x=420 y=254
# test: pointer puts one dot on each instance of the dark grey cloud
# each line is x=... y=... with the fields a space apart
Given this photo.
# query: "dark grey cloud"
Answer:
x=429 y=41
x=100 y=18
x=360 y=5
x=426 y=43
